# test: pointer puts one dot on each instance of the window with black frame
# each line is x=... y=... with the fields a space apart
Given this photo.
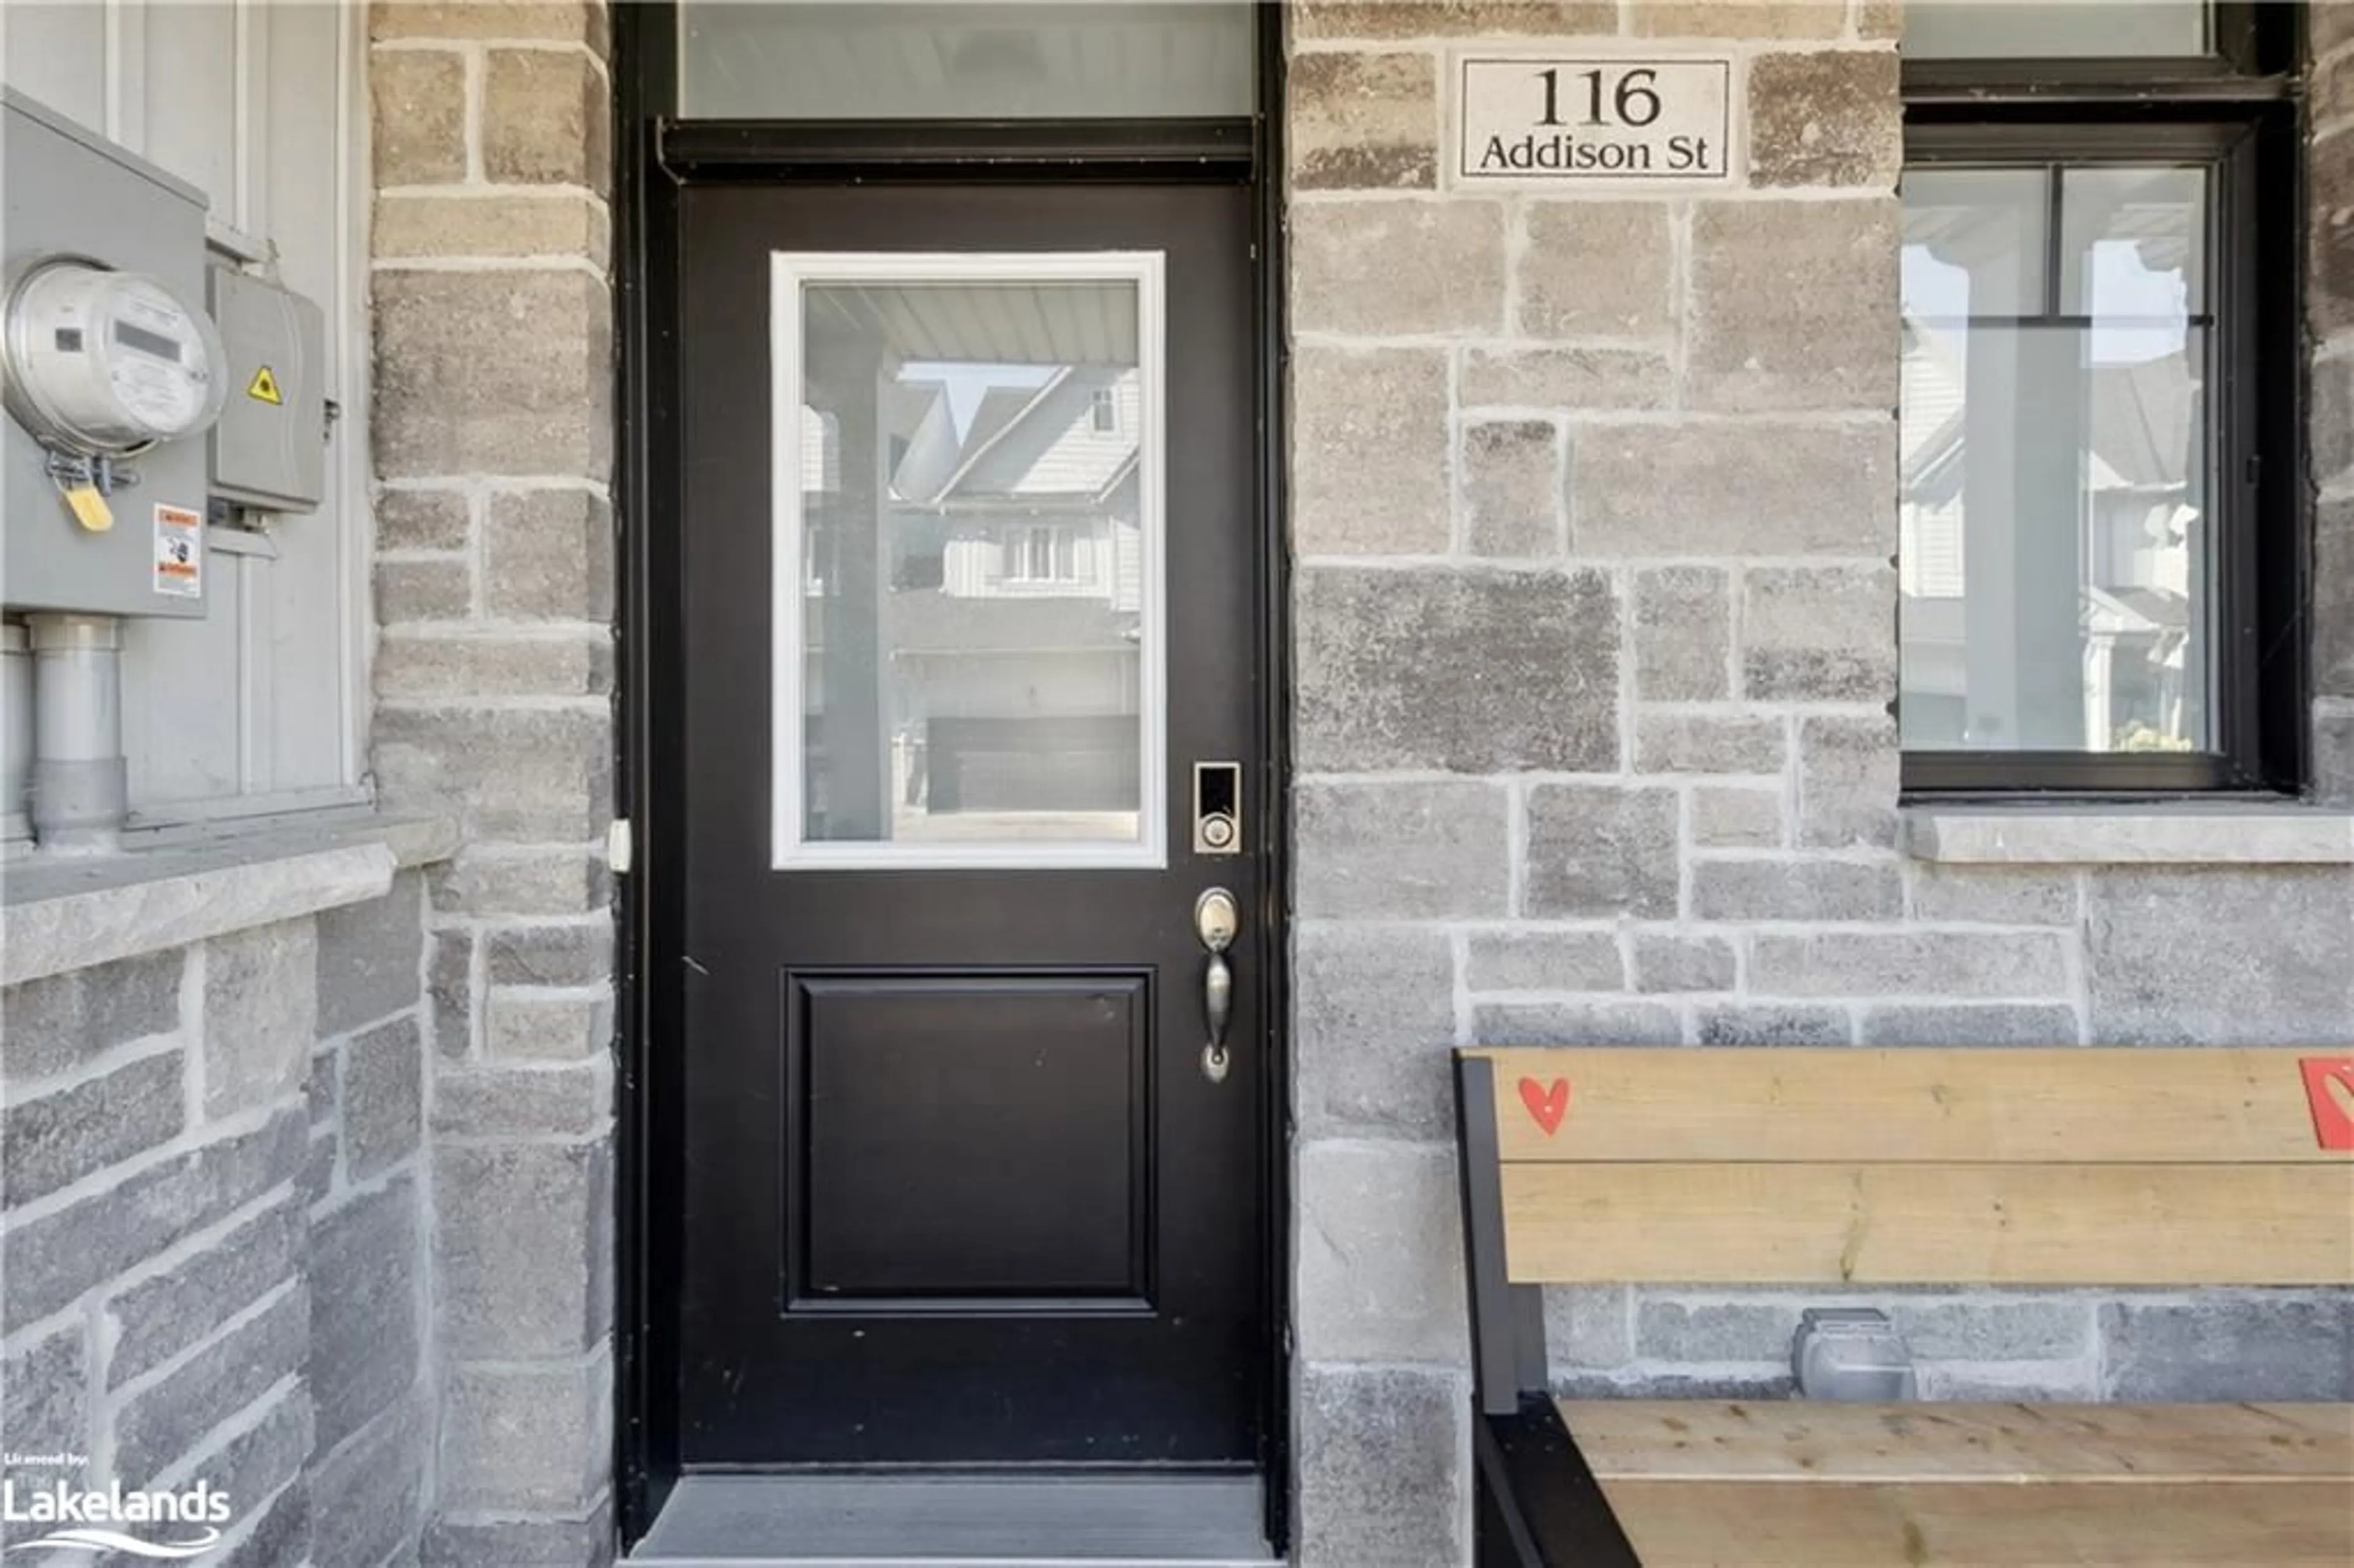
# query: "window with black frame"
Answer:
x=2098 y=528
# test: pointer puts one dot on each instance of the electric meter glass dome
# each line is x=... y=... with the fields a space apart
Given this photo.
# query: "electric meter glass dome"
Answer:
x=102 y=363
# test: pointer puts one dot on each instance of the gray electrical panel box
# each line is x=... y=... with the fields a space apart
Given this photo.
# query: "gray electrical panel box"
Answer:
x=68 y=190
x=269 y=448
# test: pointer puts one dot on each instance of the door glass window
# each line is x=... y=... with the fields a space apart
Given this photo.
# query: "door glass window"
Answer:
x=969 y=61
x=969 y=641
x=1974 y=29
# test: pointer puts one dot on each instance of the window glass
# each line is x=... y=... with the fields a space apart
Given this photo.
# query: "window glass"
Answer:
x=969 y=661
x=2028 y=29
x=1110 y=58
x=2054 y=535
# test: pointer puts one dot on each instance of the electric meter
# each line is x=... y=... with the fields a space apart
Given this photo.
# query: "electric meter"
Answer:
x=102 y=364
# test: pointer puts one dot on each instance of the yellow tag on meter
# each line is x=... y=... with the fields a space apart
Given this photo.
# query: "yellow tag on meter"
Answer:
x=88 y=507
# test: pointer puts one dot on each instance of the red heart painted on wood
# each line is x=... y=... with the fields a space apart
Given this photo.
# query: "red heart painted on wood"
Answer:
x=2329 y=1092
x=1546 y=1102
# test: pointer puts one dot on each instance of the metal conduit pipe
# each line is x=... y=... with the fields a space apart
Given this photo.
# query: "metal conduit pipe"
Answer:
x=80 y=788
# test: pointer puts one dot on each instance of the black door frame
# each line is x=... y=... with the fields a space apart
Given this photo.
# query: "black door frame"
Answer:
x=654 y=156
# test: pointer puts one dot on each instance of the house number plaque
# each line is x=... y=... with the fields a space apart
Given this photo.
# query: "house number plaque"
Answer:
x=1534 y=120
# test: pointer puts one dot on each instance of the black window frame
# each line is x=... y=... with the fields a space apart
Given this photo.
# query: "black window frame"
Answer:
x=2238 y=110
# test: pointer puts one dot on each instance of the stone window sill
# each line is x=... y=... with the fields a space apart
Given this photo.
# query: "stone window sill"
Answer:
x=2221 y=832
x=71 y=914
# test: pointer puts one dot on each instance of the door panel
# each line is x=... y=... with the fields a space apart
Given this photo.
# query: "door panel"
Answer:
x=958 y=1189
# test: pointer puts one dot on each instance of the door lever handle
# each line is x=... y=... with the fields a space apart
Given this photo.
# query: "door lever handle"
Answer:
x=1216 y=920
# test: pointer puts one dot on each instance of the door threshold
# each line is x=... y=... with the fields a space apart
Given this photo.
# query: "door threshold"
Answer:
x=960 y=1522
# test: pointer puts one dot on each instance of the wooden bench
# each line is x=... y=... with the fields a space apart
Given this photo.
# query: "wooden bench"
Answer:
x=1853 y=1168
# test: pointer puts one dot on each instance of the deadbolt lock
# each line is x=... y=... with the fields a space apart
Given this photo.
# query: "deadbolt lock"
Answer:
x=1217 y=807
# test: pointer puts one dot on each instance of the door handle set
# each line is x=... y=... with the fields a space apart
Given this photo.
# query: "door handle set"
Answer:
x=1216 y=918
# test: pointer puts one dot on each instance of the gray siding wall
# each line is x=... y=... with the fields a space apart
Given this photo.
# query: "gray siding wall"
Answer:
x=1594 y=501
x=213 y=1217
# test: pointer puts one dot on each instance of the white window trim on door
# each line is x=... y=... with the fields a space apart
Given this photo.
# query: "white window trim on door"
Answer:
x=790 y=273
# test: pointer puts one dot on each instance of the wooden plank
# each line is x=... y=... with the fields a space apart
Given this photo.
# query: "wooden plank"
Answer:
x=1797 y=1440
x=1930 y=1224
x=1990 y=1524
x=1995 y=1105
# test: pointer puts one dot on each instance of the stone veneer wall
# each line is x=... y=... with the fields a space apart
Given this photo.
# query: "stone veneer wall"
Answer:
x=494 y=430
x=211 y=1196
x=1594 y=505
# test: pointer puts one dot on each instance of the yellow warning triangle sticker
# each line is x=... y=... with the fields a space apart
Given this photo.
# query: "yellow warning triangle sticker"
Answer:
x=264 y=388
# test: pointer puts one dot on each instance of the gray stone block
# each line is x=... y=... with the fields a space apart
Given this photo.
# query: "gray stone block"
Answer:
x=524 y=1025
x=2252 y=957
x=50 y=1141
x=562 y=1101
x=1848 y=782
x=45 y=1403
x=531 y=775
x=1369 y=452
x=1400 y=851
x=1737 y=817
x=409 y=592
x=261 y=1013
x=1797 y=890
x=547 y=555
x=1588 y=1327
x=370 y=958
x=1453 y=19
x=555 y=21
x=262 y=1459
x=525 y=1439
x=1576 y=1023
x=2231 y=1345
x=525 y=1233
x=1830 y=119
x=1994 y=895
x=500 y=880
x=1390 y=268
x=158 y=1317
x=504 y=372
x=1771 y=1024
x=1595 y=851
x=1794 y=304
x=1819 y=634
x=1515 y=500
x=1367 y=121
x=1752 y=488
x=366 y=1346
x=423 y=519
x=370 y=1494
x=1667 y=962
x=318 y=1179
x=2329 y=175
x=273 y=1532
x=1708 y=743
x=1991 y=965
x=166 y=1420
x=1568 y=380
x=2330 y=423
x=1373 y=1009
x=1383 y=1465
x=581 y=1541
x=1940 y=1024
x=1516 y=960
x=1380 y=1249
x=1596 y=269
x=450 y=989
x=48 y=1027
x=545 y=118
x=1764 y=1384
x=435 y=667
x=1472 y=673
x=384 y=1089
x=419 y=102
x=1738 y=19
x=1974 y=1327
x=549 y=955
x=47 y=1262
x=1683 y=635
x=323 y=1091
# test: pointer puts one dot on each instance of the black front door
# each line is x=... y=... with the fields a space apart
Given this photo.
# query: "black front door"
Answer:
x=968 y=525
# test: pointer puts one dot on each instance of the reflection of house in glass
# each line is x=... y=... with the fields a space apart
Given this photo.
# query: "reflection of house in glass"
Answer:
x=2051 y=537
x=1004 y=609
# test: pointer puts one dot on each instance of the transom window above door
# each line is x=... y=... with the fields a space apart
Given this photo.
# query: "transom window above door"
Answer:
x=968 y=627
x=1124 y=59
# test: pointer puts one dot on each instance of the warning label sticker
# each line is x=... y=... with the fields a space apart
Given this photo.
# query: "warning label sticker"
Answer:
x=179 y=552
x=264 y=388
